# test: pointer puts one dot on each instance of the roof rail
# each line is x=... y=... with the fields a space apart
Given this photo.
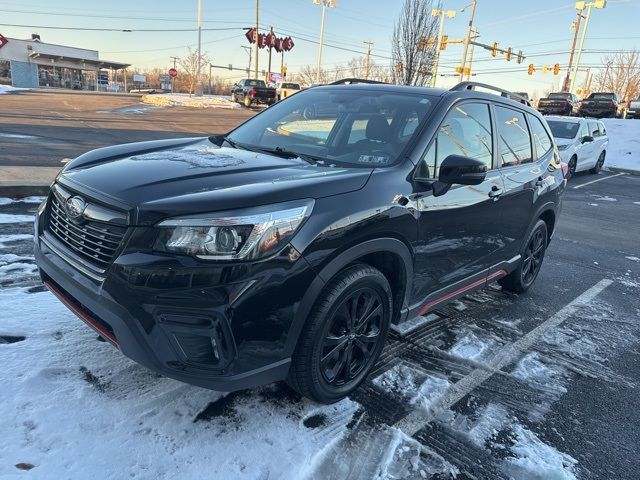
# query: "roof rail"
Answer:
x=503 y=93
x=351 y=81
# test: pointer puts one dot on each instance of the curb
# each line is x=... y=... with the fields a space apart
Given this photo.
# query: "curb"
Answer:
x=624 y=170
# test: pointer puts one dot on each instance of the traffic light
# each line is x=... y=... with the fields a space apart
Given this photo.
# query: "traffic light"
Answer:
x=556 y=69
x=519 y=58
x=443 y=42
x=509 y=50
x=494 y=49
x=283 y=71
x=531 y=69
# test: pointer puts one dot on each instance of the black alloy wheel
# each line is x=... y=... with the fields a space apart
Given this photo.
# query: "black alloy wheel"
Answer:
x=573 y=163
x=532 y=254
x=343 y=336
x=351 y=336
x=533 y=257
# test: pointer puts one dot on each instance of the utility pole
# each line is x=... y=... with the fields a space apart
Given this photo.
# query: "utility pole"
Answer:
x=173 y=80
x=441 y=13
x=576 y=25
x=580 y=6
x=474 y=4
x=210 y=79
x=269 y=66
x=248 y=50
x=367 y=60
x=255 y=66
x=474 y=36
x=606 y=77
x=198 y=84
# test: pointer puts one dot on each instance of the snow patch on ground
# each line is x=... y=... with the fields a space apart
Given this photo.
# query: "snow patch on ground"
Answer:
x=635 y=259
x=9 y=218
x=623 y=150
x=471 y=347
x=535 y=460
x=9 y=201
x=9 y=89
x=418 y=387
x=605 y=198
x=7 y=240
x=186 y=100
x=84 y=408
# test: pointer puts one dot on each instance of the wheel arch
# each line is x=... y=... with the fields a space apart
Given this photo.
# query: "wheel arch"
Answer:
x=389 y=255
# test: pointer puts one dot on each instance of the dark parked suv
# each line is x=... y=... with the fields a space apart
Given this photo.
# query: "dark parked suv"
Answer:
x=287 y=248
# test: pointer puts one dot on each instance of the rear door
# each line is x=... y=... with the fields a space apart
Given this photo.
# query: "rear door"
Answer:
x=522 y=172
x=457 y=230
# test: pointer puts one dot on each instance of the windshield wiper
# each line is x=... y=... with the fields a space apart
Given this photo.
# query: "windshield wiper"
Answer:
x=282 y=153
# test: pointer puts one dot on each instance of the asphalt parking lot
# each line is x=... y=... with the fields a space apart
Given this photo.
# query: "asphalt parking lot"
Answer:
x=40 y=127
x=542 y=385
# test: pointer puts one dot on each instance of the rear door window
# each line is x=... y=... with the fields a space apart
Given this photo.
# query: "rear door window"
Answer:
x=603 y=130
x=594 y=130
x=514 y=140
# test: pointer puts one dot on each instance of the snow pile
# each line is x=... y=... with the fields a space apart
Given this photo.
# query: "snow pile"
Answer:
x=471 y=347
x=10 y=218
x=75 y=407
x=623 y=150
x=9 y=201
x=186 y=100
x=9 y=89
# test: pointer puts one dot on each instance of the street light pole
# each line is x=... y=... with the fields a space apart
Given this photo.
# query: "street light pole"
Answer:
x=441 y=14
x=325 y=4
x=576 y=25
x=255 y=71
x=580 y=6
x=474 y=3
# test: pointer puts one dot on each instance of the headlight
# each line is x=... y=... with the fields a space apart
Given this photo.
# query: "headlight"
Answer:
x=240 y=235
x=564 y=147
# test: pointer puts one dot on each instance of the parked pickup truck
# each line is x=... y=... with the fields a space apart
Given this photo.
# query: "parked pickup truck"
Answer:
x=634 y=109
x=560 y=103
x=603 y=104
x=249 y=91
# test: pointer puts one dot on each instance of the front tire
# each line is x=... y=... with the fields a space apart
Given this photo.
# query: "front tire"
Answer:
x=247 y=102
x=234 y=99
x=573 y=164
x=521 y=279
x=344 y=335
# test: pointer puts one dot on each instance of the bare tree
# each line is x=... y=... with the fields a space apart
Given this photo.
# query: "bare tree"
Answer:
x=620 y=73
x=414 y=43
x=189 y=74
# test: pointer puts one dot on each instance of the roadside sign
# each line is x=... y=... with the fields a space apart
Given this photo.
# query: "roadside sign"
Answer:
x=173 y=73
x=275 y=77
x=164 y=78
x=3 y=41
x=139 y=78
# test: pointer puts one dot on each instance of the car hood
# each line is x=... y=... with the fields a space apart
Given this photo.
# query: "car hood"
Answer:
x=156 y=180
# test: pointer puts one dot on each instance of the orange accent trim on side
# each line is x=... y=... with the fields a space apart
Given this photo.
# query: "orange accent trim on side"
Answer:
x=444 y=298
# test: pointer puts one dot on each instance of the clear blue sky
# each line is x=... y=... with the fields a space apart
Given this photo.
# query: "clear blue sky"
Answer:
x=539 y=28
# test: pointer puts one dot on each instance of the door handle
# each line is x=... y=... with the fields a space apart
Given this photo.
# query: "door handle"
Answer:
x=495 y=192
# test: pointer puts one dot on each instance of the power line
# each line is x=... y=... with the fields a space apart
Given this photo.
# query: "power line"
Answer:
x=127 y=30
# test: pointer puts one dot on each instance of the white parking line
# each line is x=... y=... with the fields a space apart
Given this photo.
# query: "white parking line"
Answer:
x=417 y=419
x=599 y=180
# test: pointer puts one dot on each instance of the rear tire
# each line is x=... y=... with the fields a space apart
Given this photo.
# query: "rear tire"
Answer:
x=343 y=336
x=521 y=279
x=573 y=164
x=598 y=166
x=247 y=102
x=234 y=99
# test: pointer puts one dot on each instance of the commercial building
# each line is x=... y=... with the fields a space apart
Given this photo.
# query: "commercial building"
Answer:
x=32 y=63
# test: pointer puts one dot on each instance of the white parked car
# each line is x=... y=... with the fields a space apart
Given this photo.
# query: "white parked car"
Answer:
x=286 y=89
x=582 y=142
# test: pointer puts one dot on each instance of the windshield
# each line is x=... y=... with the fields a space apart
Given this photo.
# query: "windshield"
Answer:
x=563 y=96
x=345 y=125
x=254 y=83
x=601 y=96
x=566 y=130
x=292 y=86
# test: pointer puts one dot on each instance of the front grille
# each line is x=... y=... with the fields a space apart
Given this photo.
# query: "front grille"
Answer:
x=95 y=242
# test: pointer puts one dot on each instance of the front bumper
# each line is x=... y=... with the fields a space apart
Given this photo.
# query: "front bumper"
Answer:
x=219 y=327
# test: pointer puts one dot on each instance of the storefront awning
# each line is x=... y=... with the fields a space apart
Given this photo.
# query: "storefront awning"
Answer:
x=80 y=61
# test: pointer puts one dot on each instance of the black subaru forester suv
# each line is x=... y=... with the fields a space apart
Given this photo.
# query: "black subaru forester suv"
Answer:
x=287 y=248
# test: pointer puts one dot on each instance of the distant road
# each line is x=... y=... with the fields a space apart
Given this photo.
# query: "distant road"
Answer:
x=41 y=127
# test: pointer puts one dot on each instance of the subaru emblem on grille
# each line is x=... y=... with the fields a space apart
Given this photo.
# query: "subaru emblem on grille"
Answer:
x=75 y=207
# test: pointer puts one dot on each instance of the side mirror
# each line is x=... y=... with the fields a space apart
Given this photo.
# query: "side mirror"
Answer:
x=587 y=138
x=461 y=170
